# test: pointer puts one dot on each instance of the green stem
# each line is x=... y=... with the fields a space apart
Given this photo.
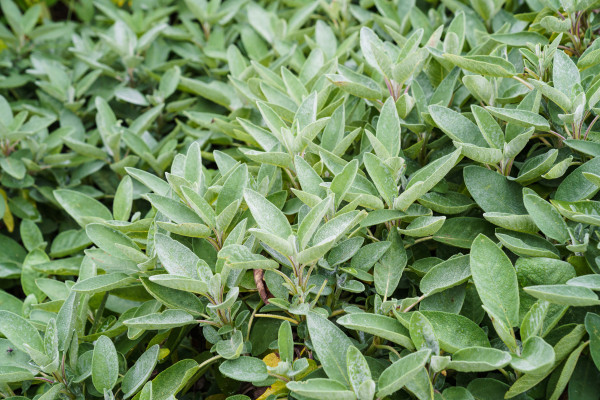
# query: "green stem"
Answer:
x=274 y=316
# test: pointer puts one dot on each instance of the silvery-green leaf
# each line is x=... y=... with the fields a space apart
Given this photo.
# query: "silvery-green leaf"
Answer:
x=546 y=217
x=331 y=345
x=591 y=281
x=267 y=215
x=103 y=283
x=491 y=131
x=536 y=358
x=568 y=295
x=525 y=244
x=321 y=389
x=82 y=207
x=423 y=226
x=422 y=333
x=565 y=73
x=137 y=375
x=483 y=155
x=358 y=370
x=520 y=117
x=445 y=275
x=495 y=279
x=105 y=364
x=165 y=320
x=426 y=178
x=483 y=65
x=399 y=373
x=382 y=177
x=479 y=359
x=519 y=223
x=457 y=126
x=533 y=321
x=239 y=256
x=175 y=257
x=378 y=325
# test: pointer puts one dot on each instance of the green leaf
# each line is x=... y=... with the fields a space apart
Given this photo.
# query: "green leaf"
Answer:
x=200 y=206
x=425 y=179
x=495 y=279
x=139 y=373
x=171 y=380
x=479 y=359
x=233 y=188
x=103 y=283
x=20 y=332
x=527 y=245
x=331 y=346
x=82 y=207
x=105 y=364
x=151 y=181
x=445 y=275
x=588 y=281
x=447 y=203
x=575 y=186
x=358 y=368
x=312 y=220
x=493 y=192
x=536 y=166
x=14 y=167
x=455 y=332
x=175 y=257
x=382 y=177
x=114 y=242
x=457 y=126
x=285 y=342
x=457 y=393
x=536 y=358
x=355 y=84
x=240 y=257
x=592 y=326
x=181 y=283
x=321 y=389
x=423 y=226
x=520 y=39
x=422 y=334
x=245 y=369
x=173 y=209
x=123 y=199
x=461 y=231
x=566 y=372
x=564 y=73
x=341 y=184
x=518 y=223
x=483 y=65
x=267 y=215
x=388 y=270
x=491 y=131
x=520 y=117
x=9 y=373
x=546 y=217
x=396 y=376
x=567 y=295
x=378 y=325
x=388 y=127
x=533 y=321
x=173 y=298
x=168 y=319
x=231 y=348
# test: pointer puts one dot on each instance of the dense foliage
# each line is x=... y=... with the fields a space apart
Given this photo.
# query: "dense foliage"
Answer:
x=326 y=200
